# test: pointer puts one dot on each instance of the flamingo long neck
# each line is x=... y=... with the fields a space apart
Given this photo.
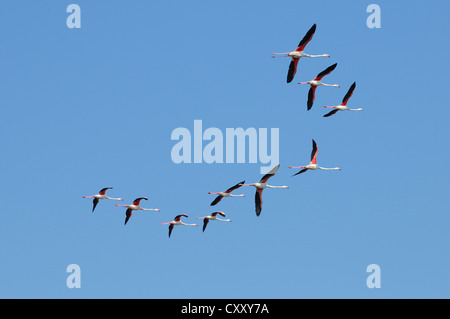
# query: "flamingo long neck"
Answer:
x=316 y=56
x=360 y=109
x=242 y=195
x=329 y=169
x=270 y=186
x=181 y=223
x=335 y=85
x=224 y=220
x=325 y=84
x=114 y=198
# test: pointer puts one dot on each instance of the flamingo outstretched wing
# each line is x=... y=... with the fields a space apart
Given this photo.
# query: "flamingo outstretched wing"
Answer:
x=308 y=36
x=325 y=72
x=349 y=94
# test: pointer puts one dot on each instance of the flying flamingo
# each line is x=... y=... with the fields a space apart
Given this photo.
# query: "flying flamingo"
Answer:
x=213 y=216
x=135 y=206
x=177 y=221
x=260 y=187
x=316 y=82
x=101 y=195
x=343 y=105
x=313 y=164
x=298 y=53
x=227 y=193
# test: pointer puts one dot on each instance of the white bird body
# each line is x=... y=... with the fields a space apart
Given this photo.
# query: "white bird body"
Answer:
x=260 y=185
x=296 y=54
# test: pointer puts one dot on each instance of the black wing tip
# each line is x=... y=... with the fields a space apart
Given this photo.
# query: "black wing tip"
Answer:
x=330 y=113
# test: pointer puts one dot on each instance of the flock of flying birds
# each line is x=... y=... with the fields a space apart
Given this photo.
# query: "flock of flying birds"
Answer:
x=262 y=184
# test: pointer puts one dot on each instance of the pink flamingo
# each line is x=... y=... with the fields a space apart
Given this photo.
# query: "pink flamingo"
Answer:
x=135 y=206
x=260 y=187
x=101 y=195
x=313 y=164
x=227 y=193
x=316 y=82
x=298 y=53
x=177 y=221
x=343 y=105
x=213 y=216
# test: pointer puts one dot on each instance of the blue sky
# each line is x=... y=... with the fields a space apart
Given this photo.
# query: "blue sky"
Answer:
x=94 y=107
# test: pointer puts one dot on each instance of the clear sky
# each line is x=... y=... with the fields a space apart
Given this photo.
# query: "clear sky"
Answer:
x=82 y=109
